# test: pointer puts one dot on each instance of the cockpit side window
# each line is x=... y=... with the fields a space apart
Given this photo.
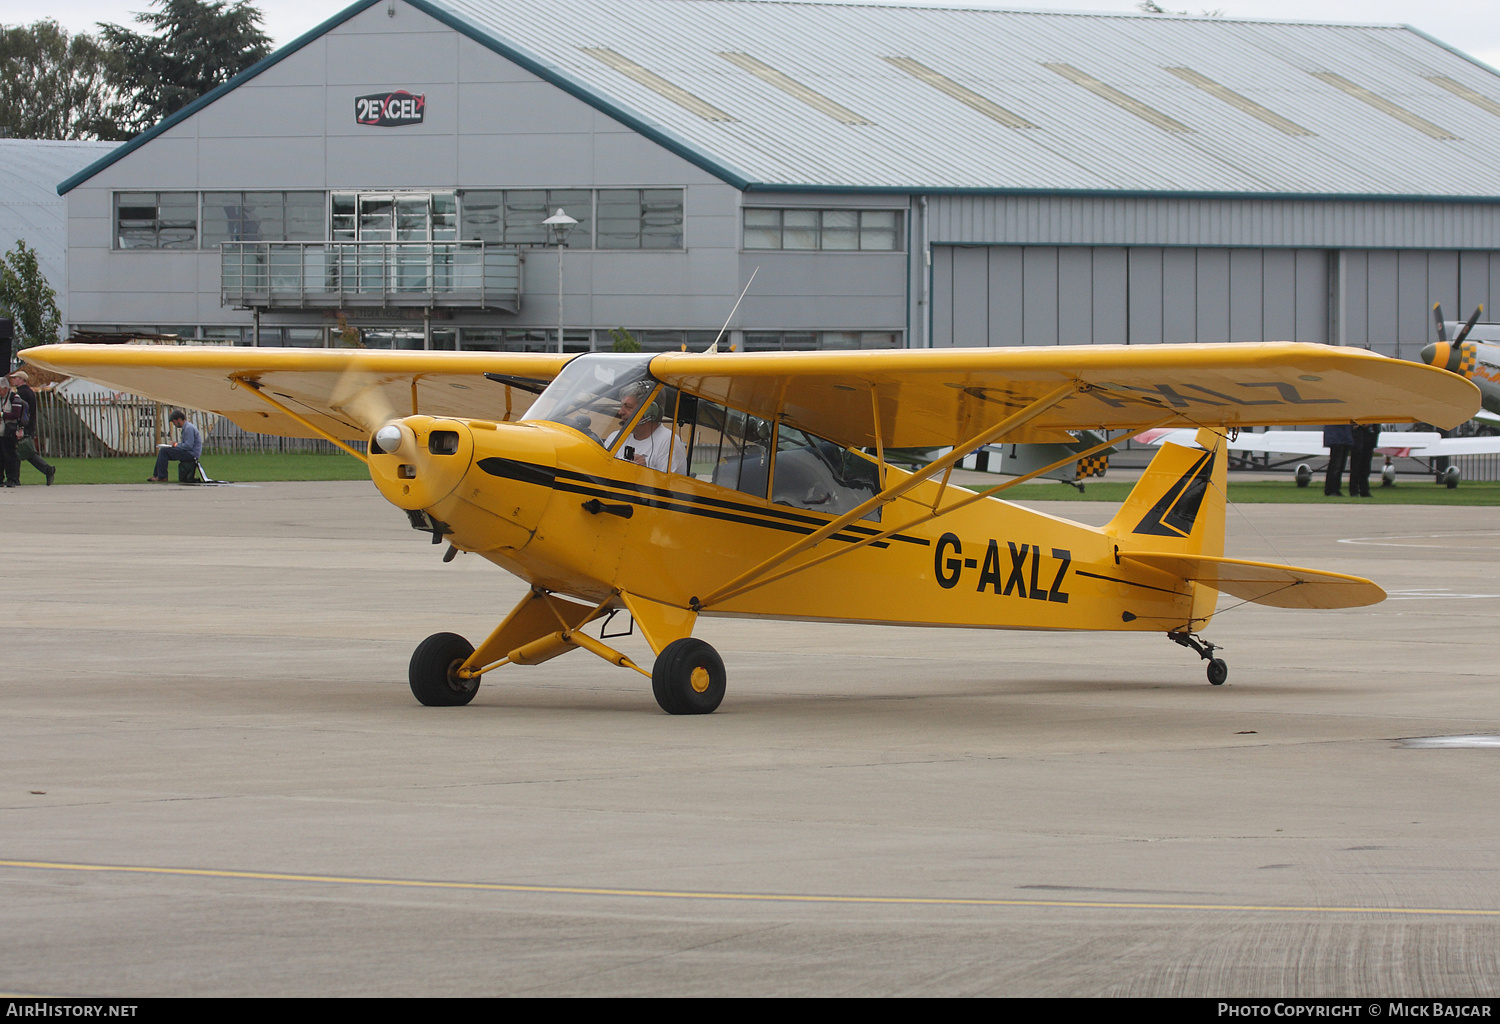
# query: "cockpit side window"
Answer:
x=816 y=474
x=728 y=447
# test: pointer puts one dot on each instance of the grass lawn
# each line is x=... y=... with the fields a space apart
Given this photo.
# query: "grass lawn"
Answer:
x=260 y=467
x=1410 y=491
x=249 y=467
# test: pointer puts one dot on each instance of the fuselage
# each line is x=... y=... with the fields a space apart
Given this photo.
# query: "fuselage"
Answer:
x=548 y=503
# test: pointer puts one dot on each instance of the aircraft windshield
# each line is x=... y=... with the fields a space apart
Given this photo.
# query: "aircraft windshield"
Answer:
x=586 y=395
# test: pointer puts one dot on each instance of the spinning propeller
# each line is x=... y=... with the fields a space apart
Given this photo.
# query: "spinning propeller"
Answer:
x=362 y=399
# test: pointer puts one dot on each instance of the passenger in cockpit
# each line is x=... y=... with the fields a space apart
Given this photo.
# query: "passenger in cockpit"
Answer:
x=651 y=444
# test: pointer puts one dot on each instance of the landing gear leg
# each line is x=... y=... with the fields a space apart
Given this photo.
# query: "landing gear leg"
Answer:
x=1217 y=670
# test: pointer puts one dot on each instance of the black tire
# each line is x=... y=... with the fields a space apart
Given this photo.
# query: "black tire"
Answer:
x=431 y=674
x=1217 y=672
x=688 y=678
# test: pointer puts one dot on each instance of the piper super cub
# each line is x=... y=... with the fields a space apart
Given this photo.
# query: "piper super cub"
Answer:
x=685 y=484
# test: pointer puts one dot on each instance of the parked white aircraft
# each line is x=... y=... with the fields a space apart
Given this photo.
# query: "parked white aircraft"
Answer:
x=1391 y=443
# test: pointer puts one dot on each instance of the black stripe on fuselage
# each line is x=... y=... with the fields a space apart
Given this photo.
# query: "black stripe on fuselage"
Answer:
x=1131 y=583
x=677 y=501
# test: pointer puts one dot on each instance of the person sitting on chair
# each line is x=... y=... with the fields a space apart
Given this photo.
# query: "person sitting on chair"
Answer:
x=188 y=449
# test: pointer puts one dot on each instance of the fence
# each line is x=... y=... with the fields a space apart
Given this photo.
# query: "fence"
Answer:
x=1478 y=467
x=103 y=427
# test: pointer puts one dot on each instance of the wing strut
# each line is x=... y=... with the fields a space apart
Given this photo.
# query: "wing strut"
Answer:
x=745 y=579
x=927 y=517
x=253 y=387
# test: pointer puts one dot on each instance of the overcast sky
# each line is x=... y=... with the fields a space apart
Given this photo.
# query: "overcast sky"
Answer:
x=1470 y=25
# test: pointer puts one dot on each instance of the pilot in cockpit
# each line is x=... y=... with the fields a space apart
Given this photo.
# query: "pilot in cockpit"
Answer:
x=652 y=443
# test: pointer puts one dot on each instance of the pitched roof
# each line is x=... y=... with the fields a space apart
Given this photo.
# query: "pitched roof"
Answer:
x=850 y=96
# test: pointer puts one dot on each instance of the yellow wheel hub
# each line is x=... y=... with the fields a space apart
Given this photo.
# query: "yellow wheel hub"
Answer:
x=699 y=679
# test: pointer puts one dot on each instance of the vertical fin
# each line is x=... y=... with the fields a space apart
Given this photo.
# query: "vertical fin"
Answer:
x=1178 y=507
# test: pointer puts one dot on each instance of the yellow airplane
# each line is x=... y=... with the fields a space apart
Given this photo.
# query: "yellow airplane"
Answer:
x=682 y=484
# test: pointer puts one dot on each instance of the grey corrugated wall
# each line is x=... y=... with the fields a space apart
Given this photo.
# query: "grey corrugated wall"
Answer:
x=1270 y=223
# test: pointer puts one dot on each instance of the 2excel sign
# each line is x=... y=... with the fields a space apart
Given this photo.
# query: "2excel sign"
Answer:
x=390 y=109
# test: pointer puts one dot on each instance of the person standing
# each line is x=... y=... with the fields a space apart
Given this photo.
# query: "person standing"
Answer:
x=1338 y=439
x=27 y=449
x=13 y=423
x=1360 y=453
x=188 y=448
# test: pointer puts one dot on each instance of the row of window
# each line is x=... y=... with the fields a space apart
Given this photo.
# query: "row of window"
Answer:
x=619 y=218
x=841 y=230
x=510 y=339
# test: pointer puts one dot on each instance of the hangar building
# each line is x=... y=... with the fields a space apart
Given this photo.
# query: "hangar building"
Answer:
x=893 y=176
x=31 y=210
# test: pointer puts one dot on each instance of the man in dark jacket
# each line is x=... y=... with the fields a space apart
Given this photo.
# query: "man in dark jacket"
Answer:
x=20 y=384
x=1360 y=454
x=13 y=423
x=1338 y=438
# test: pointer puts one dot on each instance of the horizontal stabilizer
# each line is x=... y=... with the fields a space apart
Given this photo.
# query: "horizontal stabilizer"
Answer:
x=1281 y=586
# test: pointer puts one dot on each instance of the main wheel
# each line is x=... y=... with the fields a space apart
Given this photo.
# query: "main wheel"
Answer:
x=1217 y=672
x=688 y=678
x=433 y=665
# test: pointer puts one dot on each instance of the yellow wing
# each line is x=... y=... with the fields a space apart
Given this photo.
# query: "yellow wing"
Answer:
x=936 y=397
x=1280 y=586
x=925 y=397
x=347 y=392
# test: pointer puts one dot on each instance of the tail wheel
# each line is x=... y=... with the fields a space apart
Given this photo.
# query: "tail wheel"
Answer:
x=688 y=678
x=1217 y=671
x=434 y=667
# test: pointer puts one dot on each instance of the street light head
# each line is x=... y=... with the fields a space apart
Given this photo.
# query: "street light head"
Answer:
x=559 y=226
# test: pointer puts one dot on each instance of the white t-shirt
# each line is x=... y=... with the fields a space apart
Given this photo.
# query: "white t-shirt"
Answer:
x=662 y=449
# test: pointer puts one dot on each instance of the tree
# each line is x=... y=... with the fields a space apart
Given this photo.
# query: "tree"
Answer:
x=53 y=85
x=196 y=46
x=27 y=298
x=347 y=334
x=624 y=341
x=1151 y=7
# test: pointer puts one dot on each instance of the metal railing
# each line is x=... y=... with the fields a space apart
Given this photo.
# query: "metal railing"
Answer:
x=107 y=427
x=334 y=275
x=1478 y=467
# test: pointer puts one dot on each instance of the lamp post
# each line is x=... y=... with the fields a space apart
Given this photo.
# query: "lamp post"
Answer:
x=559 y=226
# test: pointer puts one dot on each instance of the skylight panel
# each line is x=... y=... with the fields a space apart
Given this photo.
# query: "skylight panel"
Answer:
x=961 y=93
x=794 y=88
x=1239 y=102
x=1118 y=98
x=1462 y=91
x=1384 y=105
x=657 y=84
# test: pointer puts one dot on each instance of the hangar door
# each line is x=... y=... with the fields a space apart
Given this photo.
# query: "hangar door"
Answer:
x=1078 y=295
x=1388 y=294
